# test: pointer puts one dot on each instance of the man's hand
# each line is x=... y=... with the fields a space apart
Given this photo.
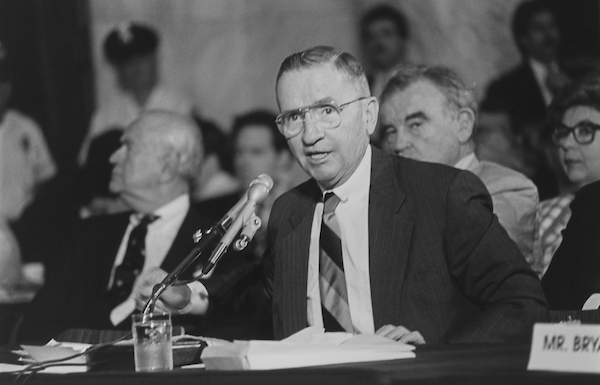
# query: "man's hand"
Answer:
x=401 y=334
x=173 y=299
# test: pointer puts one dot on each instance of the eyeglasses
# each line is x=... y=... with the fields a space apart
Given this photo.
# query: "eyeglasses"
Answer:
x=326 y=113
x=583 y=132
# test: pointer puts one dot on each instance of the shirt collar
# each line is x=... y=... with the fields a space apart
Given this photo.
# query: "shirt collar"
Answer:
x=359 y=181
x=169 y=210
x=464 y=163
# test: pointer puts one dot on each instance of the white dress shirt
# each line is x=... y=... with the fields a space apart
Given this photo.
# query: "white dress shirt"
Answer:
x=464 y=163
x=541 y=72
x=159 y=238
x=353 y=217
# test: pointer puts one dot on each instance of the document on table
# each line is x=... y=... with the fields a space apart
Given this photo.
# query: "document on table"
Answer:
x=31 y=354
x=309 y=347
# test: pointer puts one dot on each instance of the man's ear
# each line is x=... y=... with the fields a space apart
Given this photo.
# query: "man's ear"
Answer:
x=466 y=122
x=170 y=166
x=371 y=114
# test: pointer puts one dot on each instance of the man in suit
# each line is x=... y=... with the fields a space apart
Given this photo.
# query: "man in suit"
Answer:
x=384 y=35
x=424 y=259
x=159 y=155
x=574 y=273
x=428 y=114
x=523 y=93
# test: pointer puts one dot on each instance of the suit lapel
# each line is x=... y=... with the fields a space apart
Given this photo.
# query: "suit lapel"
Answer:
x=183 y=243
x=100 y=246
x=295 y=265
x=536 y=98
x=390 y=230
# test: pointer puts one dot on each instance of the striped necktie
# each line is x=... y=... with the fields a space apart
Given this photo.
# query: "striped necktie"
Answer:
x=332 y=281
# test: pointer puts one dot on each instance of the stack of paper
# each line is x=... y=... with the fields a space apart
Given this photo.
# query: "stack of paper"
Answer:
x=57 y=351
x=308 y=348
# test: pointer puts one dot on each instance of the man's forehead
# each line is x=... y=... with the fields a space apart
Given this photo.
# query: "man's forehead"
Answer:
x=140 y=132
x=304 y=86
x=421 y=92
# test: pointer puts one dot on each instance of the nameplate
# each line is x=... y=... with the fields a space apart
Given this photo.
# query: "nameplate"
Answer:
x=565 y=348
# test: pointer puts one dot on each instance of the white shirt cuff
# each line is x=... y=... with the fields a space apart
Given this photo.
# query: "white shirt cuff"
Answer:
x=199 y=300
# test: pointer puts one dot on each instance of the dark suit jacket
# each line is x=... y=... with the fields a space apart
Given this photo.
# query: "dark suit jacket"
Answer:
x=439 y=261
x=517 y=94
x=238 y=308
x=574 y=273
x=76 y=297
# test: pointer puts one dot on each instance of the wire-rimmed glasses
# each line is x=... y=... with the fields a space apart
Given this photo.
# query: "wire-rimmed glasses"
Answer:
x=326 y=113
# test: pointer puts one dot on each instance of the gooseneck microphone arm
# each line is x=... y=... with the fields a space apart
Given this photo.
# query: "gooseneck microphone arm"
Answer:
x=226 y=230
x=207 y=239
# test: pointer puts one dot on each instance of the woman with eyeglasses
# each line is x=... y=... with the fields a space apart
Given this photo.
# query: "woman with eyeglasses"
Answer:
x=575 y=120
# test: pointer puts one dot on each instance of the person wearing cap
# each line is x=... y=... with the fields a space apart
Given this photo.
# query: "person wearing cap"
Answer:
x=25 y=163
x=131 y=50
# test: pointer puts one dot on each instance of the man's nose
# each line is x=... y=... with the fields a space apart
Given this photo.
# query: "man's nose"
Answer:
x=311 y=132
x=117 y=155
x=401 y=143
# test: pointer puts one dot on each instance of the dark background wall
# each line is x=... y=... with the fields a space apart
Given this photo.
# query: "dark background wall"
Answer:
x=48 y=43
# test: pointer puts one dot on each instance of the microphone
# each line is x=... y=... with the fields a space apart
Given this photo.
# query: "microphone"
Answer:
x=257 y=192
x=234 y=219
x=228 y=218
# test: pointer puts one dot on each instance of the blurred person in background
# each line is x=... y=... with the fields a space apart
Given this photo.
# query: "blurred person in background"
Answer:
x=574 y=122
x=132 y=50
x=522 y=94
x=215 y=178
x=159 y=155
x=258 y=148
x=429 y=114
x=572 y=281
x=383 y=34
x=25 y=164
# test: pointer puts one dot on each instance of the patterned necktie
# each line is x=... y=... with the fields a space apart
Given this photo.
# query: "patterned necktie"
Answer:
x=332 y=281
x=133 y=262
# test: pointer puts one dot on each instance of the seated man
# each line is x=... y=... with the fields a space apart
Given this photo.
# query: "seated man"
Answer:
x=574 y=273
x=428 y=114
x=154 y=167
x=416 y=254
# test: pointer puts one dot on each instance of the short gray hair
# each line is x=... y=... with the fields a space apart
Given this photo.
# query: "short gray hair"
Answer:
x=179 y=135
x=445 y=79
x=344 y=62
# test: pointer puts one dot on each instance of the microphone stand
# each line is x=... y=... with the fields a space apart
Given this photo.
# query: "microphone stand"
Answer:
x=206 y=239
x=257 y=192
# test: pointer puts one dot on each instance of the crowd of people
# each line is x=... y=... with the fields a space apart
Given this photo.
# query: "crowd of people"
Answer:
x=421 y=214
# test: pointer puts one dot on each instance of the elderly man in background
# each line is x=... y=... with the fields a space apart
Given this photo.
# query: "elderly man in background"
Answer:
x=428 y=114
x=379 y=244
x=158 y=158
